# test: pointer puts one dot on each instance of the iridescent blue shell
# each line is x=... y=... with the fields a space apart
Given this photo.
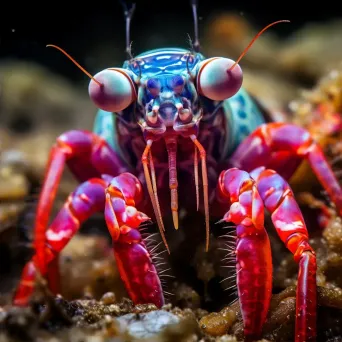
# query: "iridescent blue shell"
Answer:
x=157 y=62
x=242 y=114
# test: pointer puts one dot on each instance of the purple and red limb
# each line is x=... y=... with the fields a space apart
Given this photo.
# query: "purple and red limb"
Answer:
x=247 y=195
x=282 y=147
x=253 y=251
x=289 y=223
x=118 y=198
x=87 y=155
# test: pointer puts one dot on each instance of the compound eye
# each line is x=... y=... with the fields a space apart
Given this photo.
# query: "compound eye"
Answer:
x=177 y=84
x=153 y=86
x=116 y=92
x=215 y=81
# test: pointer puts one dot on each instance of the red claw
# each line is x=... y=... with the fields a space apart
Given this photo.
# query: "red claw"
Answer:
x=253 y=251
x=123 y=220
x=247 y=195
x=133 y=260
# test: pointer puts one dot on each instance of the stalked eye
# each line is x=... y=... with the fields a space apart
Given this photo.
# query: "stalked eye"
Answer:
x=116 y=91
x=153 y=86
x=216 y=81
x=177 y=84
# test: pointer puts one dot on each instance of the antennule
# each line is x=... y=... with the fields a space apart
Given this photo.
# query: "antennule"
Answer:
x=196 y=44
x=76 y=63
x=254 y=39
x=128 y=12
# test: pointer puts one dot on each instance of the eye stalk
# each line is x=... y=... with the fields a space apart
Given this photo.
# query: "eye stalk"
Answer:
x=219 y=78
x=116 y=92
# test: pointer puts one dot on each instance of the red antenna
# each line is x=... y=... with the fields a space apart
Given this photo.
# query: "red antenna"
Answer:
x=254 y=39
x=76 y=63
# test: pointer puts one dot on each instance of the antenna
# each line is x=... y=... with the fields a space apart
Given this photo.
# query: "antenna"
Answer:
x=196 y=44
x=128 y=12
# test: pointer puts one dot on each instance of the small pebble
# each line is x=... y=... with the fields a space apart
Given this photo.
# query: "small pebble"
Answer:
x=217 y=323
x=140 y=308
x=108 y=298
x=147 y=325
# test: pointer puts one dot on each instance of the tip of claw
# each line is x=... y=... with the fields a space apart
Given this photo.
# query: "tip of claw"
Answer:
x=175 y=219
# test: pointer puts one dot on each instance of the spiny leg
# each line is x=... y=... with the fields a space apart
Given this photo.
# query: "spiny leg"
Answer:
x=289 y=223
x=87 y=155
x=133 y=260
x=118 y=197
x=237 y=190
x=282 y=147
x=128 y=12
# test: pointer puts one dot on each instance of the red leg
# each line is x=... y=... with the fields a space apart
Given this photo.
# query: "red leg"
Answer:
x=289 y=223
x=253 y=252
x=282 y=147
x=87 y=155
x=87 y=199
x=134 y=261
x=118 y=200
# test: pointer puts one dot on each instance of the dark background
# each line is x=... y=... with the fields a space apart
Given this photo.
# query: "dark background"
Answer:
x=94 y=31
